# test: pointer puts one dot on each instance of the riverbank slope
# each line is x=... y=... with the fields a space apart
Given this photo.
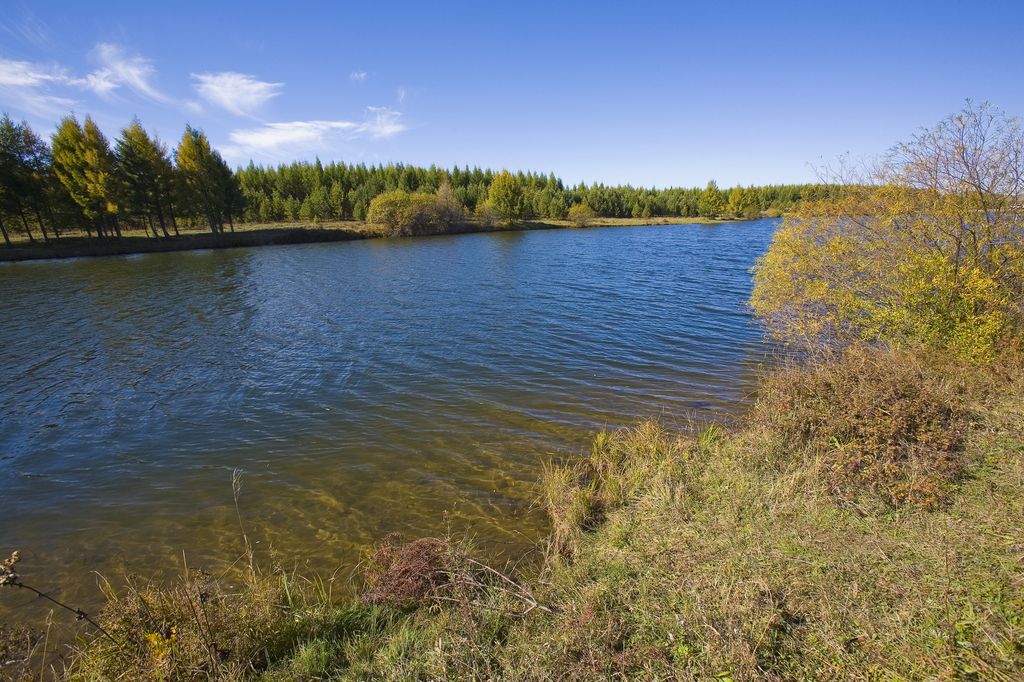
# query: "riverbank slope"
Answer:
x=864 y=522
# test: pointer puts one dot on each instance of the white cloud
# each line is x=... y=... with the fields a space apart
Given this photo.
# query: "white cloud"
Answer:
x=290 y=139
x=100 y=82
x=401 y=95
x=357 y=76
x=36 y=87
x=294 y=134
x=384 y=124
x=235 y=92
x=27 y=86
x=119 y=69
x=23 y=74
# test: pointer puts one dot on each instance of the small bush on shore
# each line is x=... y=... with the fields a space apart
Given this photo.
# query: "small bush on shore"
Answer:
x=582 y=215
x=410 y=214
x=871 y=420
x=403 y=214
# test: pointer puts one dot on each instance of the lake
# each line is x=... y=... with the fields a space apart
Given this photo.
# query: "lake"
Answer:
x=411 y=385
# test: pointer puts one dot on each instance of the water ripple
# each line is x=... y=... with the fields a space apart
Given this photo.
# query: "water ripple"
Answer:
x=364 y=387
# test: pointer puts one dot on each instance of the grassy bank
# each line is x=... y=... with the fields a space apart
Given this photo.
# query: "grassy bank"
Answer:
x=865 y=522
x=261 y=234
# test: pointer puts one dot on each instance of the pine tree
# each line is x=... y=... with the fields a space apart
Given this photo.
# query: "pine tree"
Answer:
x=711 y=202
x=200 y=177
x=8 y=172
x=143 y=165
x=86 y=166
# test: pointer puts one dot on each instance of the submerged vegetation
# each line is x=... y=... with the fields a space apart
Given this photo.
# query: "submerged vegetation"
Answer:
x=864 y=521
x=714 y=554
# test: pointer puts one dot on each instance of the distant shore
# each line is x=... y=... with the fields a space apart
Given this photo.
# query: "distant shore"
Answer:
x=265 y=234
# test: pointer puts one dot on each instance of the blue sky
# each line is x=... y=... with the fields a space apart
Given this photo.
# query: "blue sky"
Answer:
x=645 y=93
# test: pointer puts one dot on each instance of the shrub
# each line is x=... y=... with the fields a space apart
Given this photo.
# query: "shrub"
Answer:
x=925 y=247
x=487 y=215
x=581 y=215
x=875 y=420
x=404 y=576
x=403 y=214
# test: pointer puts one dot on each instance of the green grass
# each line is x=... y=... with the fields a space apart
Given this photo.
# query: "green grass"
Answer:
x=730 y=554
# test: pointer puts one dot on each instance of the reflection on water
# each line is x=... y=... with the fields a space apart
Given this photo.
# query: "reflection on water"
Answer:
x=362 y=387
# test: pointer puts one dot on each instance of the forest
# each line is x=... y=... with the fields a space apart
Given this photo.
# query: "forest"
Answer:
x=79 y=183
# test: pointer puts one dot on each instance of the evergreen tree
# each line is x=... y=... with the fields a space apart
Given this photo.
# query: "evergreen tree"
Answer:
x=144 y=165
x=24 y=170
x=200 y=177
x=86 y=167
x=8 y=173
x=711 y=202
x=232 y=201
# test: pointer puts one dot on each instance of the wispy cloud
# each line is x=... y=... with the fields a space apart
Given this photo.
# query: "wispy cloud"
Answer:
x=357 y=76
x=385 y=123
x=117 y=69
x=101 y=82
x=25 y=74
x=30 y=30
x=275 y=136
x=401 y=95
x=28 y=86
x=235 y=92
x=294 y=137
x=44 y=89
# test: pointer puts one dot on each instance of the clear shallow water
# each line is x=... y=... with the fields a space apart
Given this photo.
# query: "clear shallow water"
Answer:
x=362 y=388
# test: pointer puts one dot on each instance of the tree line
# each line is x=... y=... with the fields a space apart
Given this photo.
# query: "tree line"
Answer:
x=79 y=182
x=340 y=191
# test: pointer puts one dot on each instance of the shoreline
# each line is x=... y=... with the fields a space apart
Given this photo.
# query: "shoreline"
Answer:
x=277 y=234
x=704 y=553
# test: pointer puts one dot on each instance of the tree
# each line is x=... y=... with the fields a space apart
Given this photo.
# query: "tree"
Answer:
x=923 y=247
x=557 y=209
x=25 y=167
x=144 y=165
x=201 y=177
x=448 y=211
x=508 y=197
x=8 y=172
x=86 y=167
x=743 y=203
x=232 y=200
x=711 y=202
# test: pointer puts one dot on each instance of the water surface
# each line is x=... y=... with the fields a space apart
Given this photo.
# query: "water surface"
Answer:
x=362 y=387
